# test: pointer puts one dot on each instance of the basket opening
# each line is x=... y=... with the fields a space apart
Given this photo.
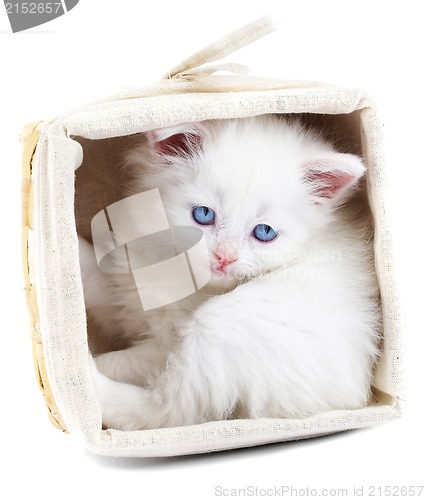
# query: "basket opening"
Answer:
x=100 y=177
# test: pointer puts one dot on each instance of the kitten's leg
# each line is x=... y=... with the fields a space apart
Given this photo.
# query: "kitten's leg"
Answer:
x=140 y=364
x=120 y=402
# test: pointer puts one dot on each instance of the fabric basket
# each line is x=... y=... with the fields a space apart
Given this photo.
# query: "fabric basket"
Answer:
x=58 y=199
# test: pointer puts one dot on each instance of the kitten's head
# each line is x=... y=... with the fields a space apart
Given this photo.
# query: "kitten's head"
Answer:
x=259 y=188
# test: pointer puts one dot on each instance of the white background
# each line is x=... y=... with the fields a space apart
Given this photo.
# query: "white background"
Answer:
x=99 y=48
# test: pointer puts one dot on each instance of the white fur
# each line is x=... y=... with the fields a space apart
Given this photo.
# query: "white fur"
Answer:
x=288 y=330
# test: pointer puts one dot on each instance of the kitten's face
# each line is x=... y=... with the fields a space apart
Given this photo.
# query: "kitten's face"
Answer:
x=245 y=184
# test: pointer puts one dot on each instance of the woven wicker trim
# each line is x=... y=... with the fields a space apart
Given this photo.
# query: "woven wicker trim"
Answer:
x=29 y=137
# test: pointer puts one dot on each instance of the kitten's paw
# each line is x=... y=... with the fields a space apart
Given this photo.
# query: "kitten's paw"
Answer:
x=122 y=404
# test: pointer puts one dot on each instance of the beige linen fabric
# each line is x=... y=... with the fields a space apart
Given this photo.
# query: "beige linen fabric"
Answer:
x=55 y=270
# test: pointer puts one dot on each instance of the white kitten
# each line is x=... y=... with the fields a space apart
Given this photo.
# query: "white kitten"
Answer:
x=287 y=326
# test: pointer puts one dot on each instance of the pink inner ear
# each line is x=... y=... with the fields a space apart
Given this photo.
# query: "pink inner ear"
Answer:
x=329 y=184
x=179 y=144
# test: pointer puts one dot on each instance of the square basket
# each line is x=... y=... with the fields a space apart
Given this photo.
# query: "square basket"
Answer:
x=69 y=175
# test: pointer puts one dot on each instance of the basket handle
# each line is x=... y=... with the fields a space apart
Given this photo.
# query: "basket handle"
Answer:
x=222 y=48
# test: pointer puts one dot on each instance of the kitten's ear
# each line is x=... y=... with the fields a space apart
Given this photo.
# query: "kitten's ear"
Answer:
x=181 y=140
x=330 y=179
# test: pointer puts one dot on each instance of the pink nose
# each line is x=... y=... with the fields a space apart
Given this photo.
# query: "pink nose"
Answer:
x=225 y=256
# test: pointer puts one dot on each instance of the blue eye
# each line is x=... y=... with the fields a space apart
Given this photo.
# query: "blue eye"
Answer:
x=264 y=233
x=203 y=215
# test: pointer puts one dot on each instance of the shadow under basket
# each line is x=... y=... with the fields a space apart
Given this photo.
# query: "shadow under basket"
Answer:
x=70 y=170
